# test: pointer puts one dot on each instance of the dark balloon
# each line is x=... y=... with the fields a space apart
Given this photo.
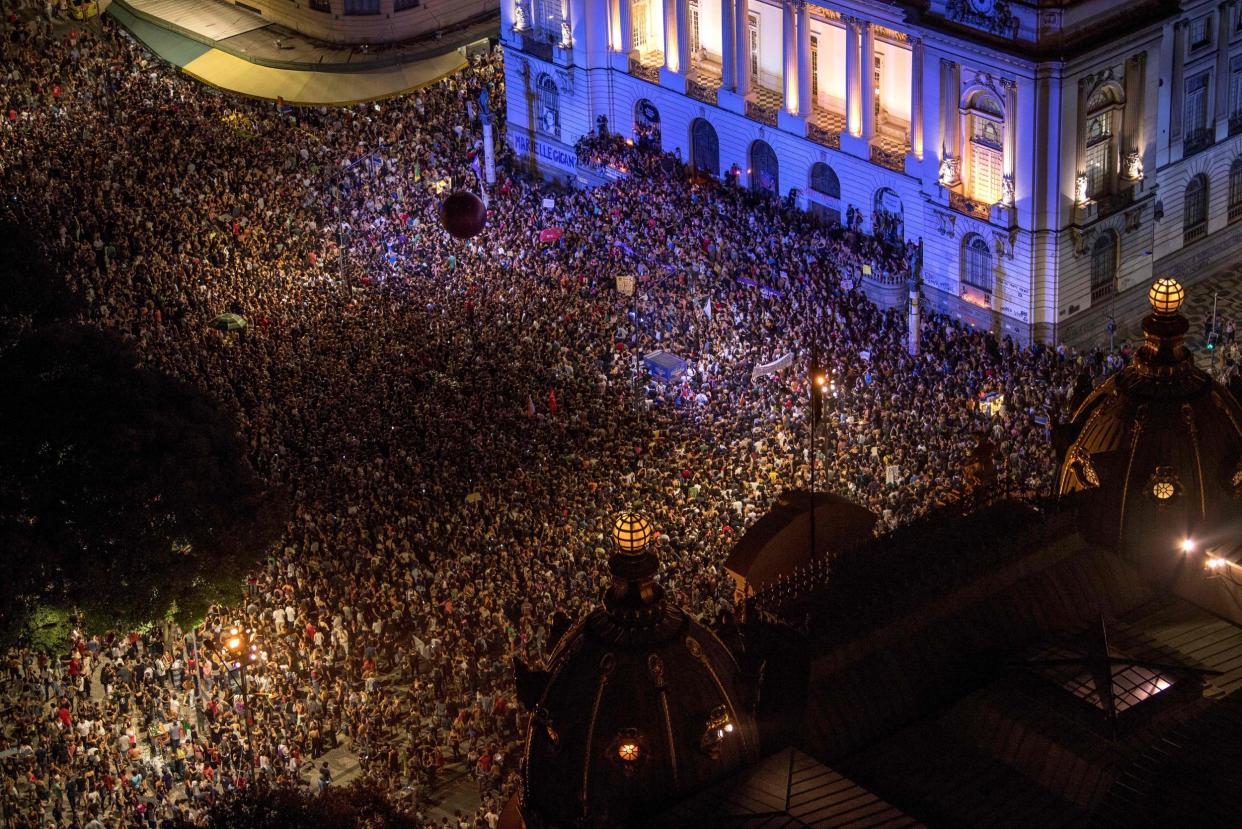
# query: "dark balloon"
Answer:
x=463 y=214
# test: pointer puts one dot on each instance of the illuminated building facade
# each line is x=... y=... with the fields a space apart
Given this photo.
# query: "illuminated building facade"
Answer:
x=1049 y=157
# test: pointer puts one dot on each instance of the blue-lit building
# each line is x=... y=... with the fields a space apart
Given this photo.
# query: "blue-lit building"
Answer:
x=1051 y=156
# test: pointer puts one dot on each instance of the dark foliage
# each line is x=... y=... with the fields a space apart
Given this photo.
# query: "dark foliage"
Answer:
x=360 y=805
x=123 y=491
x=28 y=287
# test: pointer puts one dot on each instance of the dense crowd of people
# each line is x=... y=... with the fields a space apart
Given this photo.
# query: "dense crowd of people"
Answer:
x=455 y=422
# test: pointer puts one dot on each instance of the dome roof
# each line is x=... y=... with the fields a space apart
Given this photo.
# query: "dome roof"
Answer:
x=1156 y=448
x=638 y=705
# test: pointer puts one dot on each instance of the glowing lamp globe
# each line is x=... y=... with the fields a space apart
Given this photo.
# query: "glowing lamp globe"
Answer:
x=463 y=214
x=1166 y=296
x=631 y=532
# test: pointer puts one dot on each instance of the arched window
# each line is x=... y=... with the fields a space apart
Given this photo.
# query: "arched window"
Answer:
x=887 y=216
x=1195 y=210
x=986 y=124
x=1104 y=109
x=549 y=106
x=646 y=123
x=764 y=171
x=824 y=181
x=825 y=194
x=1104 y=267
x=977 y=265
x=1235 y=190
x=704 y=148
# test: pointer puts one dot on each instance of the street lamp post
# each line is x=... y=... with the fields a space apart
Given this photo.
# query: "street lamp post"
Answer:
x=238 y=644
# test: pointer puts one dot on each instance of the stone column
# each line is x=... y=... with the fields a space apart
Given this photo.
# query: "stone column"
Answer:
x=1178 y=82
x=1132 y=139
x=625 y=26
x=670 y=36
x=868 y=81
x=950 y=151
x=916 y=97
x=1222 y=71
x=728 y=45
x=853 y=85
x=682 y=16
x=789 y=58
x=741 y=58
x=506 y=18
x=805 y=103
x=1010 y=149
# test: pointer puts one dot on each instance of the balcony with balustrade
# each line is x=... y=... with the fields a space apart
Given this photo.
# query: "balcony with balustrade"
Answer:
x=825 y=126
x=763 y=105
x=704 y=80
x=646 y=65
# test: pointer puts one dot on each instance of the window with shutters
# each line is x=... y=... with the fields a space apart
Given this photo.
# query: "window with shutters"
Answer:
x=985 y=154
x=1195 y=210
x=1235 y=190
x=696 y=42
x=1235 y=96
x=1201 y=32
x=640 y=20
x=1104 y=267
x=548 y=19
x=977 y=265
x=752 y=22
x=814 y=69
x=985 y=159
x=1099 y=141
x=353 y=7
x=1198 y=132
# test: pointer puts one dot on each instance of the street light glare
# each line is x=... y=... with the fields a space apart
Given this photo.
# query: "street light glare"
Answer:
x=234 y=643
x=1188 y=545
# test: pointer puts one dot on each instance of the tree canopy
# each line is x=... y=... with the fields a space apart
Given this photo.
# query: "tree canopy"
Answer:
x=124 y=492
x=360 y=805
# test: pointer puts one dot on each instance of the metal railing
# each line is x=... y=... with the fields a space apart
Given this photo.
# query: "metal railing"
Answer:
x=643 y=72
x=702 y=92
x=824 y=137
x=536 y=44
x=762 y=113
x=962 y=204
x=1198 y=140
x=888 y=159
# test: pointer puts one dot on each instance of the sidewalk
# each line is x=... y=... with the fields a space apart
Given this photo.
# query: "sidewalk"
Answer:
x=339 y=77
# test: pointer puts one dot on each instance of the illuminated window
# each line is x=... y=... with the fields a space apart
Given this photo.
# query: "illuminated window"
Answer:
x=1163 y=490
x=696 y=35
x=641 y=20
x=628 y=752
x=814 y=69
x=986 y=148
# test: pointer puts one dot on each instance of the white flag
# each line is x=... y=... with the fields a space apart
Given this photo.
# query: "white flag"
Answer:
x=707 y=308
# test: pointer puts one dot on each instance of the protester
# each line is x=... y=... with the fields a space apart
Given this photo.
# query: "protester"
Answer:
x=455 y=422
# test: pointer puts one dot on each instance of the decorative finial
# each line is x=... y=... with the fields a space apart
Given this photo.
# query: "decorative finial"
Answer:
x=1166 y=297
x=631 y=532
